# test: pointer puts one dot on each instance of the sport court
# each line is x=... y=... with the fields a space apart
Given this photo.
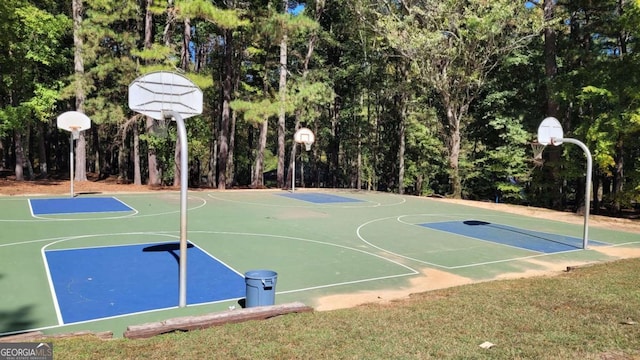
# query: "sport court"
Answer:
x=103 y=262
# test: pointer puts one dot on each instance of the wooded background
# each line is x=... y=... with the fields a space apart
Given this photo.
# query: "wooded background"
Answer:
x=431 y=97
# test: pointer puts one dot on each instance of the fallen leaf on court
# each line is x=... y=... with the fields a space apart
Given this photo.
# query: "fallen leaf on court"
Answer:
x=487 y=345
x=629 y=321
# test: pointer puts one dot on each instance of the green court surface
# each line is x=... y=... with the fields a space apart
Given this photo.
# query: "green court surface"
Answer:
x=370 y=242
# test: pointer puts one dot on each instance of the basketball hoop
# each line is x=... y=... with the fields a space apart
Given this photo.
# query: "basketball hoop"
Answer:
x=75 y=131
x=304 y=136
x=73 y=122
x=537 y=148
x=164 y=95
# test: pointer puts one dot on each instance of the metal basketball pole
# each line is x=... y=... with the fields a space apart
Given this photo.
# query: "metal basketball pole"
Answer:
x=293 y=175
x=71 y=164
x=587 y=190
x=184 y=158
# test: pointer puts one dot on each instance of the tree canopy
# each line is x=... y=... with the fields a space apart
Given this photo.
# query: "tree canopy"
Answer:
x=422 y=97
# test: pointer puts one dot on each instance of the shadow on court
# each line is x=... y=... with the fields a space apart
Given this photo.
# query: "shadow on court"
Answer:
x=16 y=319
x=538 y=241
x=171 y=248
x=523 y=234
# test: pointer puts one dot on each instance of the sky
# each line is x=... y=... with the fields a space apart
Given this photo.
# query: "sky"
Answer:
x=297 y=10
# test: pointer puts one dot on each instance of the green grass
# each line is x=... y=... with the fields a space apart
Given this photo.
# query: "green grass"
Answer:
x=575 y=315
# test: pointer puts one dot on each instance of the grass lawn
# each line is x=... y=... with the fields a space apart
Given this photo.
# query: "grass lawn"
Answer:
x=587 y=313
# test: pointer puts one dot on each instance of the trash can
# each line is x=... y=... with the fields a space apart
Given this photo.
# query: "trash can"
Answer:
x=261 y=287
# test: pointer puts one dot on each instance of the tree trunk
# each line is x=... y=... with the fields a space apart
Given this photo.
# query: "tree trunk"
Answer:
x=78 y=60
x=223 y=136
x=402 y=126
x=95 y=149
x=550 y=54
x=231 y=168
x=258 y=169
x=305 y=71
x=137 y=177
x=359 y=160
x=27 y=156
x=152 y=161
x=3 y=155
x=123 y=177
x=186 y=40
x=453 y=146
x=618 y=176
x=81 y=158
x=232 y=144
x=42 y=150
x=552 y=108
x=282 y=90
x=401 y=149
x=171 y=17
x=19 y=151
x=213 y=160
x=595 y=190
x=292 y=159
x=177 y=164
x=334 y=162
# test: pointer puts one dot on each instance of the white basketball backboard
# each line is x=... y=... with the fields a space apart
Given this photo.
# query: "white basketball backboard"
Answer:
x=156 y=92
x=304 y=135
x=73 y=121
x=549 y=130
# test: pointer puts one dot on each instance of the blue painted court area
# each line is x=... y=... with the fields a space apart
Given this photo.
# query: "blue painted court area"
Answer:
x=94 y=283
x=77 y=205
x=318 y=198
x=512 y=236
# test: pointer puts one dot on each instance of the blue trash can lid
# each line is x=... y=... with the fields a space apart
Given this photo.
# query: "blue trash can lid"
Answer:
x=260 y=274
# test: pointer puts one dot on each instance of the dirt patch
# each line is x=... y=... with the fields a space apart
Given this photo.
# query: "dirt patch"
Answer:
x=618 y=251
x=11 y=187
x=430 y=279
x=541 y=213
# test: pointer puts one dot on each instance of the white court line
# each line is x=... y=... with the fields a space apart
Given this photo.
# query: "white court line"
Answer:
x=43 y=250
x=135 y=215
x=346 y=283
x=86 y=212
x=413 y=271
x=216 y=259
x=399 y=219
x=169 y=234
x=372 y=204
x=478 y=239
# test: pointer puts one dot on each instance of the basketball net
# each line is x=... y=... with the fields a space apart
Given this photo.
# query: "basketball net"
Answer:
x=307 y=145
x=75 y=132
x=537 y=148
x=160 y=128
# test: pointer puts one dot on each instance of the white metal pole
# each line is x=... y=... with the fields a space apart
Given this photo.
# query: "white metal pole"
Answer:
x=71 y=164
x=293 y=174
x=587 y=191
x=184 y=158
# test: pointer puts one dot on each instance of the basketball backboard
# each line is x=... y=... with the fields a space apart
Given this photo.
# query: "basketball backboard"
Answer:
x=304 y=136
x=550 y=129
x=156 y=92
x=73 y=120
